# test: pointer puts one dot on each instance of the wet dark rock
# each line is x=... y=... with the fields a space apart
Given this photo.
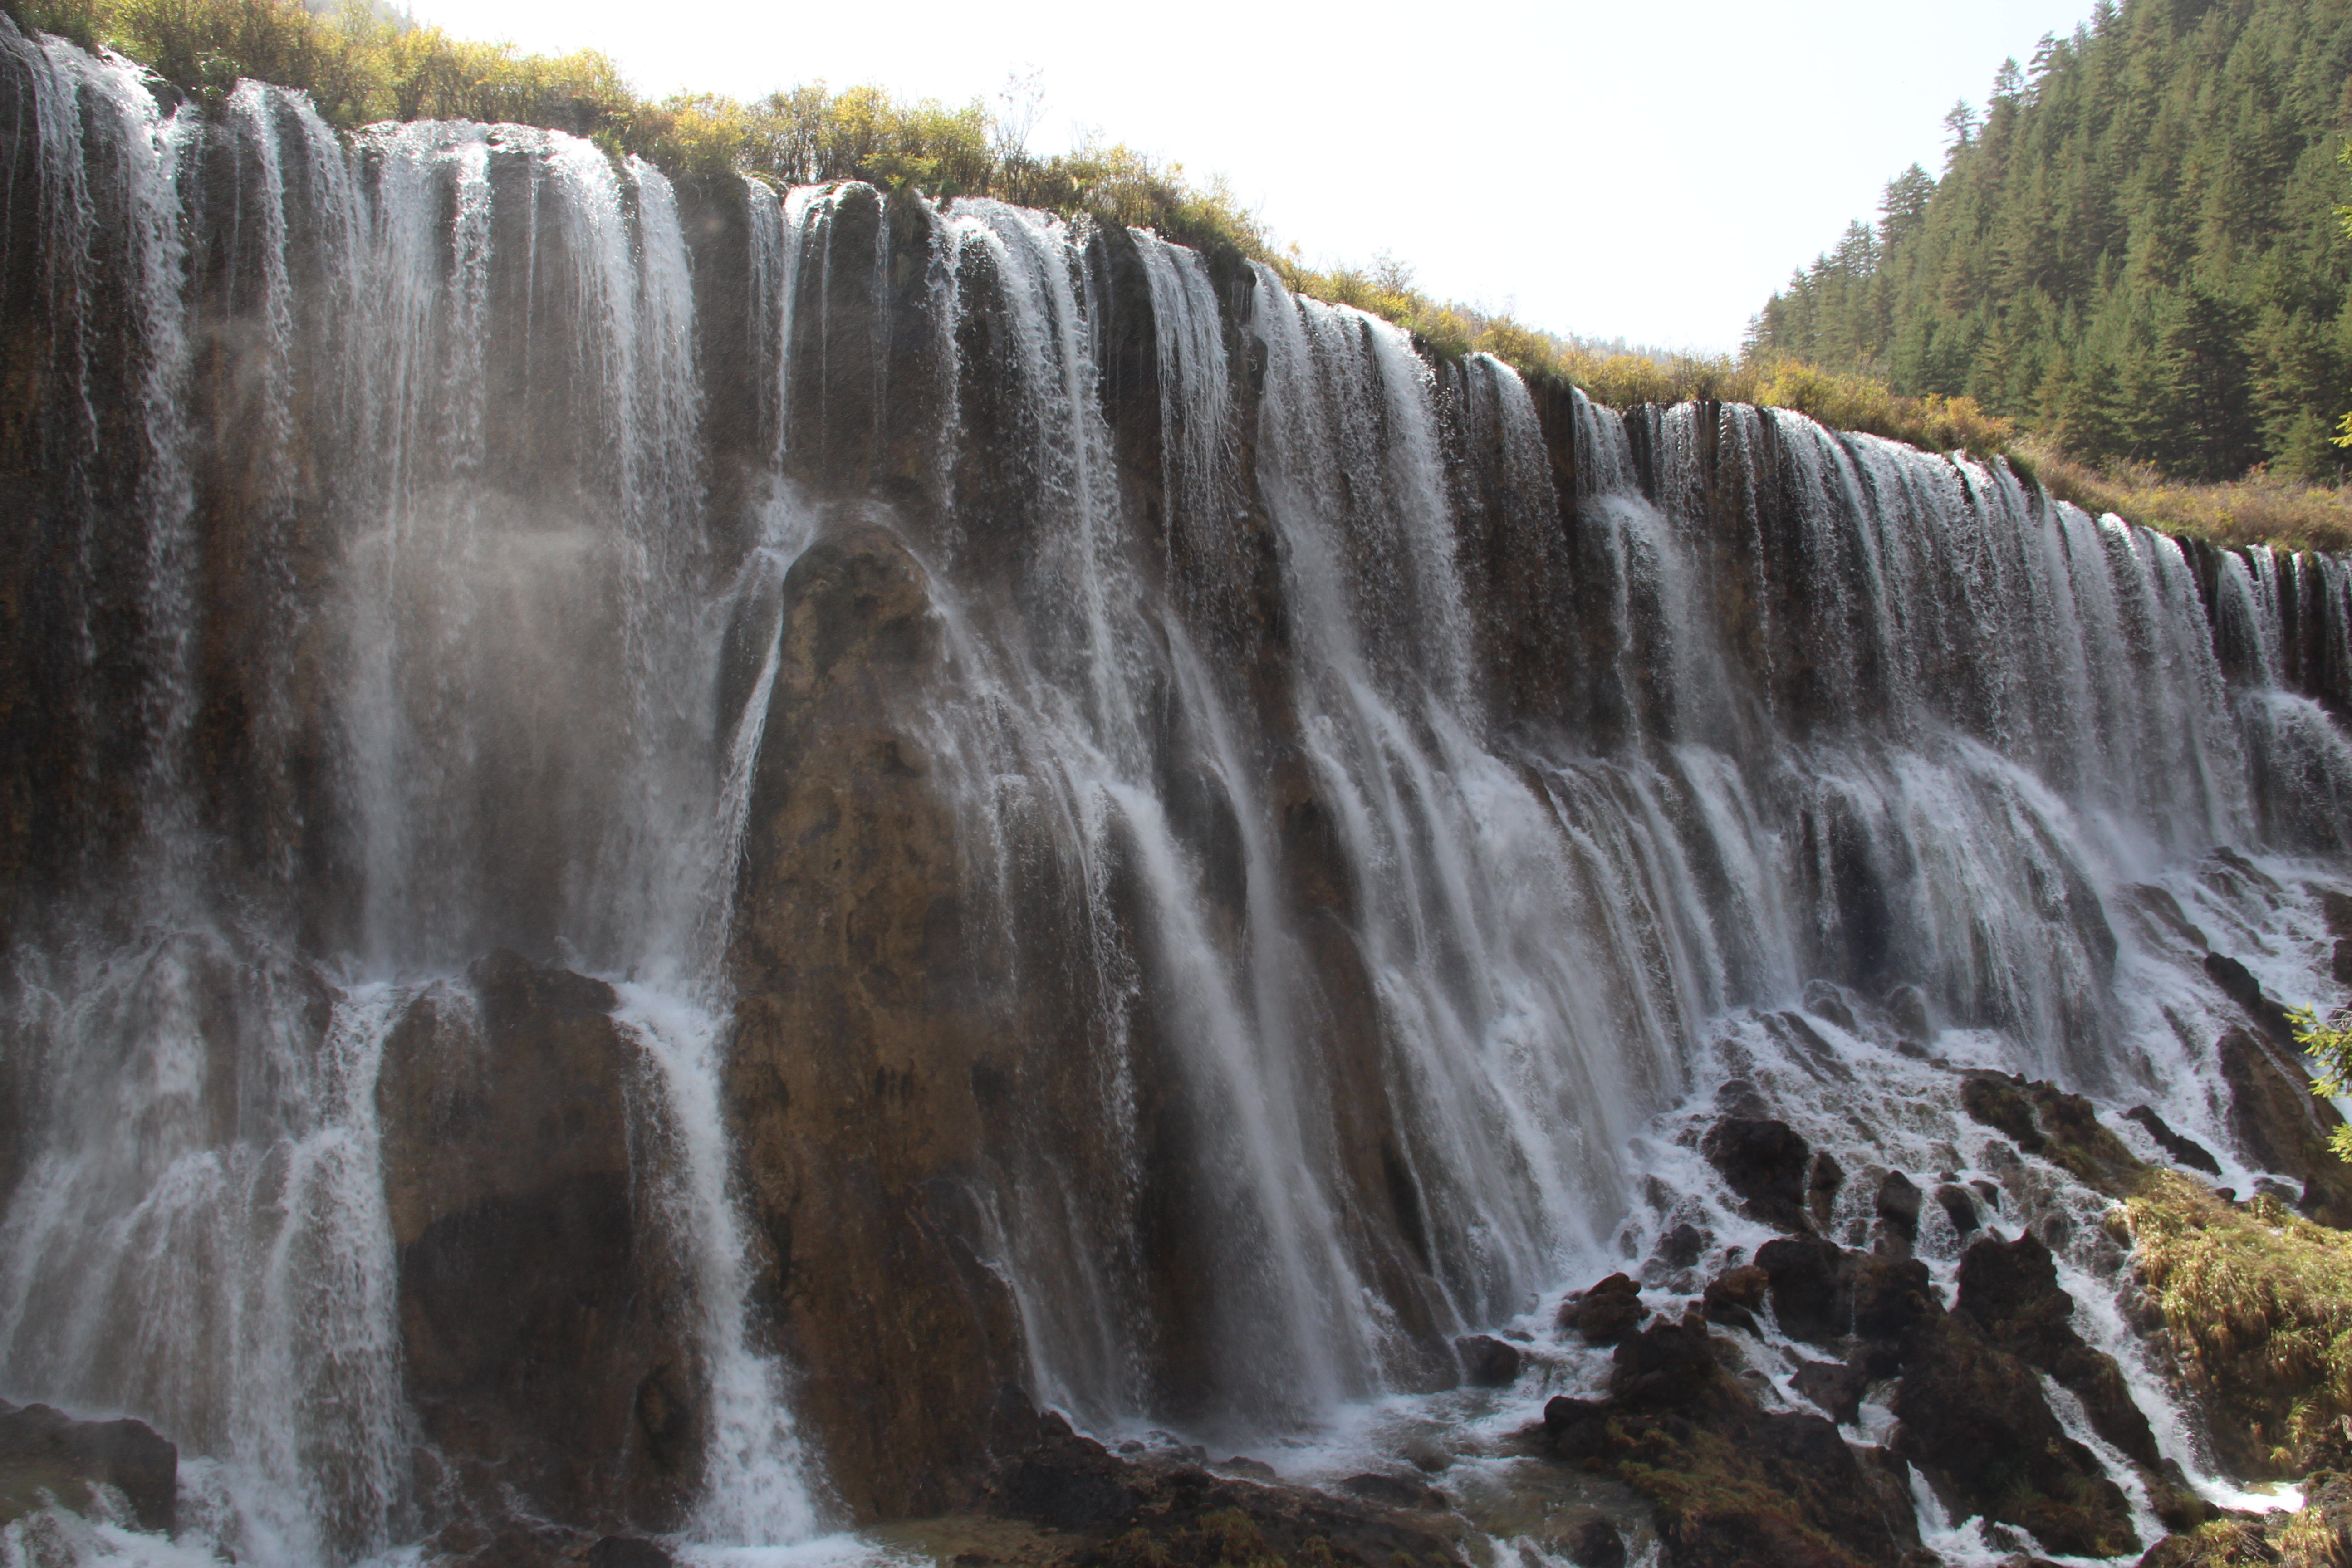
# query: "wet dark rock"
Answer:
x=507 y=1541
x=1892 y=1297
x=1606 y=1314
x=1728 y=1483
x=1487 y=1362
x=1596 y=1543
x=2165 y=910
x=1734 y=1297
x=1898 y=1202
x=1836 y=1387
x=1766 y=1163
x=2283 y=1126
x=2001 y=1104
x=1165 y=1508
x=2341 y=969
x=540 y=1315
x=1071 y=1483
x=44 y=1450
x=1973 y=1419
x=1392 y=1491
x=1961 y=1207
x=2238 y=983
x=1811 y=1298
x=1824 y=1001
x=1681 y=1247
x=2336 y=908
x=2011 y=1289
x=2184 y=1151
x=1576 y=1428
x=1907 y=1006
x=1826 y=1180
x=2045 y=1120
x=1667 y=1363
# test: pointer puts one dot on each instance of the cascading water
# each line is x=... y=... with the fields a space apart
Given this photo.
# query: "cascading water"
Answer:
x=1392 y=810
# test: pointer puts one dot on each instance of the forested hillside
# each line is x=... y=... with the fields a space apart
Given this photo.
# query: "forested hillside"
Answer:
x=2136 y=249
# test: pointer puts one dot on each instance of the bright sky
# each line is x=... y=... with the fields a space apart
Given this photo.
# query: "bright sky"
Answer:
x=1601 y=168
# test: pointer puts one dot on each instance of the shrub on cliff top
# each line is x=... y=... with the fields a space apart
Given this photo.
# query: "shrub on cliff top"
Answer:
x=2264 y=508
x=361 y=63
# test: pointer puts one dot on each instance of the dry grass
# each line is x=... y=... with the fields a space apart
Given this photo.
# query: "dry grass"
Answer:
x=2260 y=509
x=2259 y=1302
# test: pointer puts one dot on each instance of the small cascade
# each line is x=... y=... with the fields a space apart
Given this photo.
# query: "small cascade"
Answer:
x=1061 y=828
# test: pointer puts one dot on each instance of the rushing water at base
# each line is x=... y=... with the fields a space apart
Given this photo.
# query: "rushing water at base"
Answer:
x=1427 y=840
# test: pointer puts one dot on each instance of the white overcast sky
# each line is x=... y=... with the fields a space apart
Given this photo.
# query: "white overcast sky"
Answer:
x=1602 y=168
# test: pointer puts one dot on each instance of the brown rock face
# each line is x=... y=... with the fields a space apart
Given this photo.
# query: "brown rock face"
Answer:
x=2011 y=1288
x=47 y=1453
x=1974 y=1419
x=863 y=1067
x=1732 y=1483
x=543 y=1319
x=1766 y=1163
x=2283 y=1125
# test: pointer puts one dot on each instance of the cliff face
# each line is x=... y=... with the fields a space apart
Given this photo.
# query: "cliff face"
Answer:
x=1153 y=845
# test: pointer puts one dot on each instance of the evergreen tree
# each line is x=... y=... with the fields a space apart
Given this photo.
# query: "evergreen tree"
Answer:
x=2135 y=246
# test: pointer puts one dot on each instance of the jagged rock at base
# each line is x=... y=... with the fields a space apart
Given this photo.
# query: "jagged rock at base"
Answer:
x=1730 y=1483
x=1121 y=1513
x=47 y=1455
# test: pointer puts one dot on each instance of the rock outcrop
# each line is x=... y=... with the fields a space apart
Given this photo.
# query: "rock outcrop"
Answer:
x=545 y=1328
x=2283 y=1125
x=868 y=1057
x=47 y=1456
x=1730 y=1482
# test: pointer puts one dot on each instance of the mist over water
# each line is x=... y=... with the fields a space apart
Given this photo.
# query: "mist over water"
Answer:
x=1432 y=807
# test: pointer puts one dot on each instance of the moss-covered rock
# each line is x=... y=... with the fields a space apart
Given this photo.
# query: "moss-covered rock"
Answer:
x=1974 y=1420
x=2317 y=1535
x=2011 y=1289
x=2257 y=1304
x=1732 y=1483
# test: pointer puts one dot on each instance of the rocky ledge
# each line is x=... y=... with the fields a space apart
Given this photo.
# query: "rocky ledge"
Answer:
x=117 y=1470
x=2245 y=1305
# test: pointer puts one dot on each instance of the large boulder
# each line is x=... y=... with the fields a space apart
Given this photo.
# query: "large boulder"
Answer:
x=1767 y=1163
x=1812 y=1296
x=541 y=1305
x=2283 y=1126
x=1974 y=1421
x=47 y=1455
x=2011 y=1289
x=1730 y=1483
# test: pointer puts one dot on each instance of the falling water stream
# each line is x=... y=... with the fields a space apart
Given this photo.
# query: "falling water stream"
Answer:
x=499 y=675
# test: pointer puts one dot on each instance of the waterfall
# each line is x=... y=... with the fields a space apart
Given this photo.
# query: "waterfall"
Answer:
x=1339 y=821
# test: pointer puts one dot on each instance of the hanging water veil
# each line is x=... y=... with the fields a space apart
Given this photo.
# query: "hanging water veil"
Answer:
x=664 y=844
